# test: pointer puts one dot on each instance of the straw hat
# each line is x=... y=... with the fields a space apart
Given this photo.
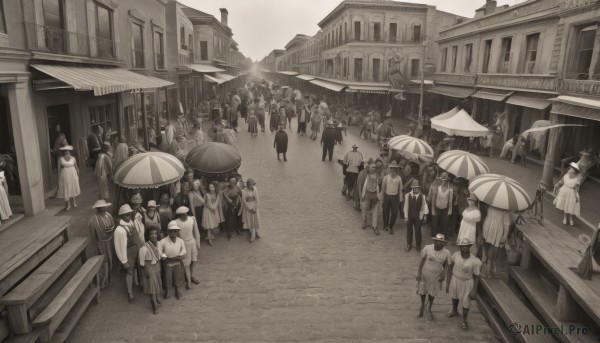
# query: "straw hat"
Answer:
x=371 y=162
x=440 y=238
x=444 y=176
x=101 y=204
x=67 y=148
x=125 y=209
x=151 y=204
x=472 y=197
x=182 y=210
x=575 y=166
x=415 y=184
x=464 y=242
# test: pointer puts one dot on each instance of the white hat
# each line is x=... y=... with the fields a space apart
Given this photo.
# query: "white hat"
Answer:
x=125 y=209
x=182 y=210
x=151 y=203
x=101 y=204
x=67 y=148
x=173 y=225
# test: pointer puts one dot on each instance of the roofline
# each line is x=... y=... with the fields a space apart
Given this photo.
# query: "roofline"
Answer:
x=348 y=3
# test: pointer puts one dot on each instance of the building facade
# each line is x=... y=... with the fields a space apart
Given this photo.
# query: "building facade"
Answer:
x=310 y=52
x=290 y=59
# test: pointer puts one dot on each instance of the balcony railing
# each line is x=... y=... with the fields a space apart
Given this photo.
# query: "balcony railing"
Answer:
x=522 y=81
x=185 y=57
x=58 y=41
x=455 y=78
x=571 y=85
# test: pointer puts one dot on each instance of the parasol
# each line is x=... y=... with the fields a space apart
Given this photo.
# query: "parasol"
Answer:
x=462 y=164
x=500 y=191
x=214 y=158
x=411 y=146
x=148 y=170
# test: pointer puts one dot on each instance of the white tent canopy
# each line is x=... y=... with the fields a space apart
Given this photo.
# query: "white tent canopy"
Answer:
x=446 y=115
x=460 y=124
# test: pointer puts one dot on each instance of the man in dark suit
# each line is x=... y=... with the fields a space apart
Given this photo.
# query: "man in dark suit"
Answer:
x=281 y=143
x=328 y=140
x=415 y=210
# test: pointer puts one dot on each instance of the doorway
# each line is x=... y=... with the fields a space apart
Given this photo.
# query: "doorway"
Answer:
x=8 y=155
x=59 y=122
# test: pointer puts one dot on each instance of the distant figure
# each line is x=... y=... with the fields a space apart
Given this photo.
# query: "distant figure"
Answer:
x=250 y=215
x=103 y=171
x=281 y=143
x=328 y=140
x=94 y=144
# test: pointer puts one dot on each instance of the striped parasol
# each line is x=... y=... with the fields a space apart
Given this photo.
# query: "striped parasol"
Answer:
x=148 y=170
x=500 y=191
x=462 y=164
x=411 y=146
x=214 y=158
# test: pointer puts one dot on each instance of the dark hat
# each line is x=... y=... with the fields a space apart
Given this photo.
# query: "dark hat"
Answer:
x=464 y=242
x=355 y=146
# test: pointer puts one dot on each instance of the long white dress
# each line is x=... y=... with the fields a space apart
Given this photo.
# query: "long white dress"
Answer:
x=566 y=200
x=5 y=211
x=250 y=200
x=68 y=183
x=468 y=226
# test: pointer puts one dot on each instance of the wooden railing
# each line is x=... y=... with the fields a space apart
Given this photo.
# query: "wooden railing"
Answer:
x=185 y=57
x=572 y=86
x=522 y=81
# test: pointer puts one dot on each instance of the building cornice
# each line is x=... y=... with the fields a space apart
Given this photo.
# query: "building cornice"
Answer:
x=36 y=55
x=400 y=6
x=14 y=54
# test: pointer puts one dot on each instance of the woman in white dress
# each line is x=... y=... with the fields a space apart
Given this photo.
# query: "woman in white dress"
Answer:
x=250 y=215
x=567 y=199
x=495 y=231
x=212 y=215
x=5 y=211
x=470 y=217
x=68 y=178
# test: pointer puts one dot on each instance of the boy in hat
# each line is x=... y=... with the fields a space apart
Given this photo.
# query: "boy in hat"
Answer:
x=281 y=143
x=352 y=160
x=462 y=279
x=128 y=241
x=415 y=210
x=392 y=197
x=432 y=271
x=172 y=252
x=102 y=227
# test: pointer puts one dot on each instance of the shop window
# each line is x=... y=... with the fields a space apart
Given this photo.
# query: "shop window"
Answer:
x=584 y=50
x=54 y=22
x=159 y=50
x=393 y=32
x=415 y=66
x=358 y=68
x=444 y=60
x=377 y=32
x=531 y=47
x=417 y=33
x=454 y=58
x=137 y=45
x=505 y=55
x=357 y=30
x=487 y=50
x=2 y=19
x=376 y=66
x=468 y=57
x=102 y=115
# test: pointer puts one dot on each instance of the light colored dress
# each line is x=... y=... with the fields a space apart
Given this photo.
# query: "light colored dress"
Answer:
x=103 y=170
x=149 y=259
x=250 y=200
x=187 y=234
x=121 y=153
x=5 y=211
x=496 y=226
x=468 y=226
x=68 y=183
x=432 y=269
x=566 y=200
x=211 y=217
x=462 y=282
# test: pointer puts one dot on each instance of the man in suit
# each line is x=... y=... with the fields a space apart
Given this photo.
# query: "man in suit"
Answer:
x=415 y=210
x=328 y=140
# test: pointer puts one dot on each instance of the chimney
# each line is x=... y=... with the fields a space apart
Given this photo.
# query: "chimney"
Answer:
x=224 y=14
x=490 y=6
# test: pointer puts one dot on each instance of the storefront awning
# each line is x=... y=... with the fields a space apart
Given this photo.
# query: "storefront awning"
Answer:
x=205 y=68
x=576 y=107
x=101 y=81
x=368 y=89
x=538 y=104
x=305 y=77
x=225 y=77
x=213 y=79
x=329 y=85
x=453 y=92
x=489 y=95
x=290 y=73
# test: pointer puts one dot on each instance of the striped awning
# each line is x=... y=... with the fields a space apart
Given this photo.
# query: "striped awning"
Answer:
x=305 y=77
x=205 y=68
x=213 y=79
x=329 y=85
x=491 y=95
x=225 y=77
x=101 y=81
x=524 y=101
x=454 y=92
x=290 y=73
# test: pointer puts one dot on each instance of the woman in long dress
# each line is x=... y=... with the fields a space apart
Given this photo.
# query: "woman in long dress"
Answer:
x=315 y=123
x=462 y=279
x=165 y=212
x=68 y=179
x=191 y=238
x=103 y=171
x=231 y=201
x=196 y=198
x=495 y=231
x=567 y=199
x=152 y=219
x=252 y=120
x=250 y=215
x=470 y=217
x=5 y=211
x=102 y=228
x=212 y=216
x=432 y=271
x=149 y=258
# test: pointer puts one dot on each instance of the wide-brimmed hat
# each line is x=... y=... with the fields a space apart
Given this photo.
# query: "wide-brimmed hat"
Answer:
x=251 y=181
x=67 y=148
x=444 y=176
x=173 y=225
x=575 y=166
x=124 y=209
x=415 y=184
x=371 y=162
x=330 y=122
x=182 y=210
x=355 y=146
x=463 y=242
x=151 y=204
x=136 y=199
x=440 y=238
x=101 y=204
x=472 y=197
x=394 y=164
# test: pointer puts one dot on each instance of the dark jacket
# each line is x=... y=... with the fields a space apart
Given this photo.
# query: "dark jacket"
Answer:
x=281 y=142
x=329 y=136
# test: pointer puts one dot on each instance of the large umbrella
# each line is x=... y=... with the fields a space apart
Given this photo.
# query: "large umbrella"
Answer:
x=500 y=191
x=148 y=170
x=214 y=158
x=462 y=164
x=411 y=145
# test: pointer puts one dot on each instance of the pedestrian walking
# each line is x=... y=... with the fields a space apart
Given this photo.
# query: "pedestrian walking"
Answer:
x=282 y=115
x=68 y=179
x=353 y=160
x=127 y=246
x=232 y=202
x=303 y=114
x=198 y=133
x=281 y=143
x=260 y=115
x=470 y=217
x=250 y=215
x=172 y=252
x=328 y=140
x=274 y=118
x=442 y=200
x=94 y=144
x=151 y=219
x=102 y=227
x=212 y=215
x=252 y=120
x=290 y=112
x=103 y=171
x=392 y=197
x=360 y=180
x=234 y=108
x=315 y=123
x=432 y=272
x=149 y=258
x=495 y=231
x=415 y=210
x=567 y=190
x=370 y=193
x=190 y=234
x=462 y=279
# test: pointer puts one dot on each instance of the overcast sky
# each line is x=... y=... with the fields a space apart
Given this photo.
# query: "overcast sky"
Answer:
x=260 y=26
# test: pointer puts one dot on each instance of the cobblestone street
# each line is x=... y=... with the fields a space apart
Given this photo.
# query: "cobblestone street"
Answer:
x=313 y=276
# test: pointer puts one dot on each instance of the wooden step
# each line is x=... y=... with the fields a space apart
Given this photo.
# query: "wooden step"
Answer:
x=495 y=322
x=511 y=309
x=20 y=299
x=544 y=299
x=64 y=330
x=53 y=291
x=28 y=338
x=50 y=319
